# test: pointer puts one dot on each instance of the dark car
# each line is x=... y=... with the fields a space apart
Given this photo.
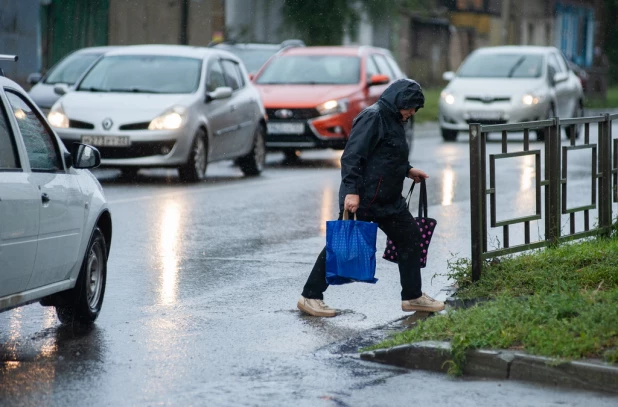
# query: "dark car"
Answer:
x=253 y=55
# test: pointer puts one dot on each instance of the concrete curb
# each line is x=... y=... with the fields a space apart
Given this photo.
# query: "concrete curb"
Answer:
x=502 y=364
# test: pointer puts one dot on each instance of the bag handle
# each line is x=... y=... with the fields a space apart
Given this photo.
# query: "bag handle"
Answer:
x=422 y=201
x=346 y=215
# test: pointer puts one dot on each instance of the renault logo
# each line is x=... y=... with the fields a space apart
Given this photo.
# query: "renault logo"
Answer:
x=107 y=123
x=284 y=113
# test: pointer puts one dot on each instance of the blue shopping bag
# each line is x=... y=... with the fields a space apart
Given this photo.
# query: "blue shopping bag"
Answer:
x=350 y=251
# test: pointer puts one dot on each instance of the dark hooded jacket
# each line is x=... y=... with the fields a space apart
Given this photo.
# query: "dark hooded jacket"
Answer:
x=375 y=163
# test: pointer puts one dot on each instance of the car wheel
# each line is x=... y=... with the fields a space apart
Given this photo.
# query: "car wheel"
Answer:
x=253 y=163
x=449 y=135
x=541 y=133
x=84 y=301
x=194 y=169
x=579 y=112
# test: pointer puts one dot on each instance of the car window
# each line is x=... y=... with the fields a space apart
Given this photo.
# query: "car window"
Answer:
x=311 y=70
x=502 y=65
x=43 y=152
x=253 y=58
x=144 y=74
x=9 y=159
x=216 y=78
x=552 y=66
x=70 y=69
x=383 y=66
x=394 y=67
x=556 y=61
x=371 y=68
x=232 y=77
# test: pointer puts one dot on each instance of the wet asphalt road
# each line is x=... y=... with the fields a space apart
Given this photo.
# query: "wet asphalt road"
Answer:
x=200 y=305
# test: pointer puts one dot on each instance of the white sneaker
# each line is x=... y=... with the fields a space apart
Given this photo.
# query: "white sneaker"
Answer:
x=317 y=308
x=422 y=303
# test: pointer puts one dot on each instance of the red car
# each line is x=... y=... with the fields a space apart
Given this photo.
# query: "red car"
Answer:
x=312 y=94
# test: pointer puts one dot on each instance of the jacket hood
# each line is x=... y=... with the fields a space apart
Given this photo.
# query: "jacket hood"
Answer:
x=403 y=94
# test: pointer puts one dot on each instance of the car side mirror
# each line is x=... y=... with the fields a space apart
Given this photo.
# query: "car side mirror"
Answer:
x=223 y=92
x=560 y=77
x=378 y=80
x=448 y=76
x=68 y=159
x=85 y=156
x=34 y=78
x=61 y=89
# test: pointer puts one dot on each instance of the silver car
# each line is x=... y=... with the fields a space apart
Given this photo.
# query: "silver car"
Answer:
x=67 y=71
x=165 y=106
x=509 y=84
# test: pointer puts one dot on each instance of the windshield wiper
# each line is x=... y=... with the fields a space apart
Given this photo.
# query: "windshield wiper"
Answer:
x=517 y=64
x=134 y=90
x=93 y=89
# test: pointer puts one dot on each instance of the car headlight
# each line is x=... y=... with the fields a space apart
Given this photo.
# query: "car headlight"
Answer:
x=333 y=106
x=171 y=119
x=529 y=99
x=57 y=118
x=448 y=98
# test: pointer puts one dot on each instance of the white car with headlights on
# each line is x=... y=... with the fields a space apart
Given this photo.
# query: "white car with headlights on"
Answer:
x=165 y=106
x=511 y=84
x=55 y=226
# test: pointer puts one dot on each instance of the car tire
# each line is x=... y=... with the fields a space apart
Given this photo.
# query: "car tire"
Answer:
x=449 y=135
x=82 y=303
x=540 y=133
x=194 y=170
x=253 y=163
x=579 y=112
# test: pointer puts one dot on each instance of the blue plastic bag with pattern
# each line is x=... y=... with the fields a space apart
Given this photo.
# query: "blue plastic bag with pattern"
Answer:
x=350 y=251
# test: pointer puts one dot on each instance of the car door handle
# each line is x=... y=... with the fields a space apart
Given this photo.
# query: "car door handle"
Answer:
x=45 y=198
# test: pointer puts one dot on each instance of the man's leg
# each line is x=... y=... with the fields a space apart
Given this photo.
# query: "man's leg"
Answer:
x=316 y=283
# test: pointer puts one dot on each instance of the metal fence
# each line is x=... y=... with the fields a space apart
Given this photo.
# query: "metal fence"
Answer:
x=553 y=156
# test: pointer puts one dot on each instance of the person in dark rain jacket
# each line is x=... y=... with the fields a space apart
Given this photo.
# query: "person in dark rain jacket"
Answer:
x=374 y=166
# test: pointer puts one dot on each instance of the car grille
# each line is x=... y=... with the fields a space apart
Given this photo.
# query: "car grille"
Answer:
x=485 y=122
x=76 y=124
x=138 y=149
x=487 y=99
x=135 y=126
x=297 y=114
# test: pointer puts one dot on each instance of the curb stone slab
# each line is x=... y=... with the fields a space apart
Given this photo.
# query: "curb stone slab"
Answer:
x=502 y=364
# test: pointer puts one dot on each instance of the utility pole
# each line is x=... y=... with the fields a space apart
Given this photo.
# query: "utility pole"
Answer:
x=506 y=21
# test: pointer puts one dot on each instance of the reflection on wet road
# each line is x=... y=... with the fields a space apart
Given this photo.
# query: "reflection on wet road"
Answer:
x=203 y=281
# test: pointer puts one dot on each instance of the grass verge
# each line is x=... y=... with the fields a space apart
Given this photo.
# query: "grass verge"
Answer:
x=559 y=302
x=610 y=102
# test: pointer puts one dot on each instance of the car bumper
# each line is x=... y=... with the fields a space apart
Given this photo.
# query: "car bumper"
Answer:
x=318 y=133
x=148 y=148
x=459 y=117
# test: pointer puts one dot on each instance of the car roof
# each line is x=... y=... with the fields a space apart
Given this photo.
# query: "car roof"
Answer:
x=96 y=50
x=332 y=50
x=248 y=45
x=530 y=49
x=169 y=50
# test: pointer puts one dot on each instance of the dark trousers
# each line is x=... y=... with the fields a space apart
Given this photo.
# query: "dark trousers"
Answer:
x=403 y=230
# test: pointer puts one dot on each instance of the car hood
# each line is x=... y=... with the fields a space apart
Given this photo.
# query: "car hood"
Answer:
x=43 y=95
x=302 y=96
x=120 y=107
x=494 y=87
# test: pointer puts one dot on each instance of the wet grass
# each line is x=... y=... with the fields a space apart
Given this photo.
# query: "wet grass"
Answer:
x=610 y=102
x=559 y=302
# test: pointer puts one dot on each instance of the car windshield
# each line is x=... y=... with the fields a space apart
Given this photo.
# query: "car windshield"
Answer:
x=502 y=66
x=143 y=74
x=312 y=70
x=70 y=69
x=252 y=58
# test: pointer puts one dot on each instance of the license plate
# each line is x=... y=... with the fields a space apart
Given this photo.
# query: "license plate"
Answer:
x=107 y=141
x=488 y=115
x=286 y=128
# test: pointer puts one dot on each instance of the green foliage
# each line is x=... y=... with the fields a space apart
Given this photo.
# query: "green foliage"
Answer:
x=611 y=100
x=429 y=113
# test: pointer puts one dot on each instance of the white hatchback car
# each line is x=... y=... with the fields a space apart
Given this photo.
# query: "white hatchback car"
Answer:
x=510 y=84
x=166 y=106
x=55 y=226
